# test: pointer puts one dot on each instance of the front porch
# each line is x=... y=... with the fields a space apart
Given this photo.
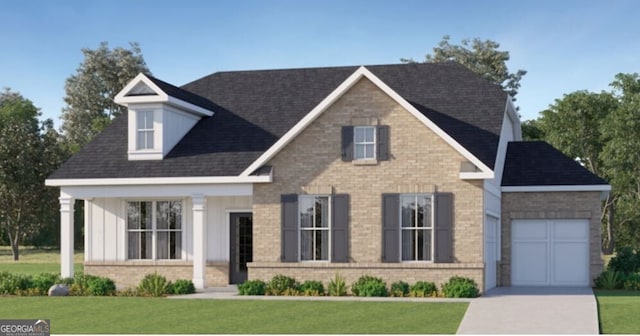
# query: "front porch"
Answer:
x=179 y=231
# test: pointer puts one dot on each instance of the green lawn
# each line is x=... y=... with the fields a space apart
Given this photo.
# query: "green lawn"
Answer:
x=35 y=260
x=618 y=311
x=118 y=315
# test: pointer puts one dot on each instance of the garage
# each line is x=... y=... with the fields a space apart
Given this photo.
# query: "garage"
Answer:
x=550 y=252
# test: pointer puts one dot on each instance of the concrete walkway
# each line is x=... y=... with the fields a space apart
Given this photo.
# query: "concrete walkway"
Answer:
x=532 y=310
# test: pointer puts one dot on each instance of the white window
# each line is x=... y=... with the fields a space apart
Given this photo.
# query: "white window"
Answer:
x=144 y=130
x=417 y=227
x=154 y=230
x=314 y=227
x=364 y=141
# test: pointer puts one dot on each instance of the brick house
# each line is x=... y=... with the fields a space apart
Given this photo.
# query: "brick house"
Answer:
x=407 y=172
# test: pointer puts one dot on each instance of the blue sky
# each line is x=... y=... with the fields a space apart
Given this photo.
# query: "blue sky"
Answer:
x=564 y=45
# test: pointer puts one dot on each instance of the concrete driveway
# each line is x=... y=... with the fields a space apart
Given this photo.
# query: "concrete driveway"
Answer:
x=532 y=310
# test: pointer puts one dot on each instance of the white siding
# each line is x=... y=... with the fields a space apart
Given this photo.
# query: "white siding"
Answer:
x=175 y=125
x=218 y=209
x=104 y=226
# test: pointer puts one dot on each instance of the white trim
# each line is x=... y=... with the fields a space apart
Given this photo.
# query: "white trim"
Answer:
x=160 y=97
x=595 y=187
x=491 y=189
x=230 y=211
x=363 y=72
x=476 y=175
x=492 y=214
x=158 y=181
x=515 y=119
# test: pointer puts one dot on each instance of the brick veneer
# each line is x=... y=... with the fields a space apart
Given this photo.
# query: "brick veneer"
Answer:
x=551 y=205
x=130 y=273
x=420 y=161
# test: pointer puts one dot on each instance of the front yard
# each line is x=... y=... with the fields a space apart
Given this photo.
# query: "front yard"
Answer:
x=618 y=311
x=128 y=315
x=35 y=260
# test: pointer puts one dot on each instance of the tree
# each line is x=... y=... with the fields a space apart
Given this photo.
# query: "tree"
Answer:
x=90 y=91
x=26 y=159
x=531 y=131
x=481 y=57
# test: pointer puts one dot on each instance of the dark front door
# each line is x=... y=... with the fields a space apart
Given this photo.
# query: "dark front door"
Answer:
x=240 y=246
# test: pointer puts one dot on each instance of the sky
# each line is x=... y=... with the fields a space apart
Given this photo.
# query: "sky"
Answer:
x=564 y=45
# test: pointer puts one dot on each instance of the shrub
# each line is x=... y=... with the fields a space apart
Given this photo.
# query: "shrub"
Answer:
x=459 y=287
x=625 y=261
x=291 y=292
x=154 y=285
x=100 y=286
x=252 y=287
x=182 y=286
x=369 y=286
x=312 y=288
x=42 y=282
x=337 y=286
x=423 y=289
x=11 y=284
x=128 y=292
x=279 y=284
x=609 y=279
x=632 y=282
x=399 y=289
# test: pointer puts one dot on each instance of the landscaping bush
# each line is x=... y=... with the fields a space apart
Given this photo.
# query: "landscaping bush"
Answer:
x=460 y=287
x=154 y=285
x=399 y=289
x=279 y=284
x=423 y=289
x=311 y=288
x=100 y=286
x=43 y=281
x=11 y=284
x=609 y=279
x=632 y=282
x=369 y=286
x=252 y=287
x=625 y=261
x=181 y=287
x=337 y=286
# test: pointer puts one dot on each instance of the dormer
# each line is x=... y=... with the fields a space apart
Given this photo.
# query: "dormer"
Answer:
x=160 y=114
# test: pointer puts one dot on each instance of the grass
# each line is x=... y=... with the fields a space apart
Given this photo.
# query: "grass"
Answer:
x=35 y=260
x=130 y=315
x=618 y=311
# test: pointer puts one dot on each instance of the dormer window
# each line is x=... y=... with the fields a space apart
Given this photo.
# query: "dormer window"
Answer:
x=144 y=130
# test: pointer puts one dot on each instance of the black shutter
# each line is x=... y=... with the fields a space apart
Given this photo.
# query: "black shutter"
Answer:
x=289 y=218
x=383 y=143
x=390 y=227
x=347 y=143
x=340 y=228
x=443 y=228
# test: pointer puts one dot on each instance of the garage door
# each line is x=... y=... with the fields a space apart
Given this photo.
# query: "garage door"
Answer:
x=550 y=253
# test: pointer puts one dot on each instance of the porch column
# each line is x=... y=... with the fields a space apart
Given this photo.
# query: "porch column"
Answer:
x=199 y=240
x=66 y=235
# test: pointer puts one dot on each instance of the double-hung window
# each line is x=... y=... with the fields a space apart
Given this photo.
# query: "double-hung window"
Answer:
x=416 y=227
x=144 y=130
x=364 y=142
x=154 y=229
x=314 y=227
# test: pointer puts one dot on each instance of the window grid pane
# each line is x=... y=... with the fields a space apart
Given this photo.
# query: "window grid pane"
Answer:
x=416 y=223
x=364 y=141
x=314 y=227
x=167 y=232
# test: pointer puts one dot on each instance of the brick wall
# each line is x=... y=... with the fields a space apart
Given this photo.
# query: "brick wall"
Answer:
x=130 y=273
x=420 y=161
x=551 y=205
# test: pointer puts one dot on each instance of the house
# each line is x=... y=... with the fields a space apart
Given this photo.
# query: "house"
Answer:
x=407 y=172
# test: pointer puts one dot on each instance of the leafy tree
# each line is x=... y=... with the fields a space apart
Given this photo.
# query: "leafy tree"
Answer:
x=90 y=91
x=531 y=131
x=29 y=152
x=481 y=57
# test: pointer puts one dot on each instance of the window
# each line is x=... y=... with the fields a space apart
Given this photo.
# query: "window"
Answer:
x=154 y=230
x=364 y=141
x=314 y=227
x=144 y=130
x=417 y=228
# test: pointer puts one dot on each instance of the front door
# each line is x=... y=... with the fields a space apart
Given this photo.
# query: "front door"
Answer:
x=240 y=246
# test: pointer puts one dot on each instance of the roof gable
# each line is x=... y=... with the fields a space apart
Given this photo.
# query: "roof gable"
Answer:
x=363 y=72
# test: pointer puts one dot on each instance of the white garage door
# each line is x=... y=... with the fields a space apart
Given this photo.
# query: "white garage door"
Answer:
x=550 y=252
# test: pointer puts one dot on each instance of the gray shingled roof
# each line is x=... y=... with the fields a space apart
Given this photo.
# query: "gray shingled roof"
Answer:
x=537 y=163
x=253 y=109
